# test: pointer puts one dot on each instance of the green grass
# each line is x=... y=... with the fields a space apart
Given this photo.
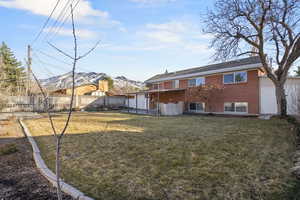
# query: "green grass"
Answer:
x=121 y=156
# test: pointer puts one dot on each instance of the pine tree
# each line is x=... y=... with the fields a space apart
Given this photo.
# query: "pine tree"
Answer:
x=297 y=71
x=12 y=71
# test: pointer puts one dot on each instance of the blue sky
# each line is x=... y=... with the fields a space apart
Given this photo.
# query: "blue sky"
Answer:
x=139 y=38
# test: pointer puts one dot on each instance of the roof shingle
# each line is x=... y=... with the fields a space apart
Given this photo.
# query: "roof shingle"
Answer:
x=207 y=68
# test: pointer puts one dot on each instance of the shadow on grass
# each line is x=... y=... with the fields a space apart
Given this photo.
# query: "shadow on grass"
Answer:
x=178 y=158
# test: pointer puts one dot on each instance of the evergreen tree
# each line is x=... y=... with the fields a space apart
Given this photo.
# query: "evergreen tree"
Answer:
x=297 y=71
x=110 y=82
x=12 y=71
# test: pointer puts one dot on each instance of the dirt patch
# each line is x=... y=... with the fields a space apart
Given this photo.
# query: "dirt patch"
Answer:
x=19 y=178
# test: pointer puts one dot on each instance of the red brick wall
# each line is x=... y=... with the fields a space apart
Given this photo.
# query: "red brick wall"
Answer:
x=167 y=85
x=237 y=92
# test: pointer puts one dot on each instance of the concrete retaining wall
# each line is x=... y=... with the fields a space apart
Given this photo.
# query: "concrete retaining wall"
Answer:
x=46 y=172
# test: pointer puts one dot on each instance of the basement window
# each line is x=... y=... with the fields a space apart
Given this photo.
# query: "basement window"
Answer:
x=235 y=77
x=197 y=107
x=237 y=107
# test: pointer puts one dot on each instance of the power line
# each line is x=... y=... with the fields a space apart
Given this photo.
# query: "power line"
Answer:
x=61 y=16
x=61 y=61
x=46 y=22
x=45 y=63
x=52 y=57
x=64 y=21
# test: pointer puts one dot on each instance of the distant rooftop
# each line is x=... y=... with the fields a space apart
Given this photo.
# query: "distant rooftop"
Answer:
x=208 y=69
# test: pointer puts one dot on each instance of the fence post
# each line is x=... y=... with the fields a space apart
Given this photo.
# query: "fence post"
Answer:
x=136 y=103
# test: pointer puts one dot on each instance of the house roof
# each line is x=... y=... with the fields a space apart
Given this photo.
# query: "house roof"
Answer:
x=245 y=63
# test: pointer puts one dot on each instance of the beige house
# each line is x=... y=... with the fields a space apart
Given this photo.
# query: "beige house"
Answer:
x=86 y=89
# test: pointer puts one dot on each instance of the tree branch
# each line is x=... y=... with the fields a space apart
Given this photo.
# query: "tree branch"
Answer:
x=60 y=51
x=92 y=49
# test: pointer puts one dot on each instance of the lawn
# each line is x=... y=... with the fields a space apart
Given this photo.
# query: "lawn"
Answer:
x=121 y=156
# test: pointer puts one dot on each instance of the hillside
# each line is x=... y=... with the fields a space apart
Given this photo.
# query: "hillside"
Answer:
x=65 y=81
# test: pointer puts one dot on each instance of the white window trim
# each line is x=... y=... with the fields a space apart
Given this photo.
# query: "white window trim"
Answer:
x=234 y=82
x=197 y=111
x=175 y=84
x=234 y=112
x=196 y=81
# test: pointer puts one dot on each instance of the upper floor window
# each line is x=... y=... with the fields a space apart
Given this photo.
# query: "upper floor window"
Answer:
x=196 y=81
x=156 y=86
x=175 y=84
x=235 y=77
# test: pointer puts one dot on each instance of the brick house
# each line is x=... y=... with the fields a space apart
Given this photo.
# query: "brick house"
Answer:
x=238 y=87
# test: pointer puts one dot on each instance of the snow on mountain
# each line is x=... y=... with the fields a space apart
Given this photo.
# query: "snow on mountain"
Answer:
x=65 y=80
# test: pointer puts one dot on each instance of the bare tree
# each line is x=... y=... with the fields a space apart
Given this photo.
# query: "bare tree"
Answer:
x=266 y=28
x=59 y=135
x=206 y=93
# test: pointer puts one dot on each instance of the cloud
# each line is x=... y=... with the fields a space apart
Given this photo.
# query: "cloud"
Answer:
x=172 y=26
x=175 y=35
x=82 y=33
x=164 y=37
x=42 y=7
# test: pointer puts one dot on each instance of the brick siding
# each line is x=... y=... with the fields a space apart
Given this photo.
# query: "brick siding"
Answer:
x=236 y=92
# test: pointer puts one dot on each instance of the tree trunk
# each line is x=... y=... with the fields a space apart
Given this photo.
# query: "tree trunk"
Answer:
x=57 y=167
x=281 y=99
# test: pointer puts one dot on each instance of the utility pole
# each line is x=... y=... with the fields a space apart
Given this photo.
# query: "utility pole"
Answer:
x=2 y=76
x=28 y=70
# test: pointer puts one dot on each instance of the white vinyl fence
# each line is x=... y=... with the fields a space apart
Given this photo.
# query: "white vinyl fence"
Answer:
x=268 y=103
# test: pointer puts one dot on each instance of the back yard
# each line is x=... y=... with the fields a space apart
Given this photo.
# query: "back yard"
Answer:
x=121 y=156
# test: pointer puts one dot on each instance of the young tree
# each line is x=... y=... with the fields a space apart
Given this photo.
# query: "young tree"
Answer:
x=60 y=134
x=266 y=28
x=11 y=70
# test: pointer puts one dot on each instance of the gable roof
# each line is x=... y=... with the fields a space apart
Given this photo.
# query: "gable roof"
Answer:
x=244 y=63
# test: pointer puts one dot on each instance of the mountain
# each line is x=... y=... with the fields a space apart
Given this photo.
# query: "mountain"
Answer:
x=65 y=80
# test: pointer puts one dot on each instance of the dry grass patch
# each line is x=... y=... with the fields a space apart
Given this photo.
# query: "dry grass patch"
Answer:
x=121 y=156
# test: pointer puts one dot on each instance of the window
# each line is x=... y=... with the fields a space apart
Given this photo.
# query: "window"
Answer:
x=200 y=81
x=229 y=107
x=192 y=82
x=228 y=78
x=197 y=107
x=240 y=77
x=239 y=107
x=196 y=81
x=235 y=77
x=175 y=84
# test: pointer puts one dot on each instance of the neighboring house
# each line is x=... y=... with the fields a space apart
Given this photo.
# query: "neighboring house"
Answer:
x=80 y=90
x=102 y=88
x=86 y=89
x=239 y=81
